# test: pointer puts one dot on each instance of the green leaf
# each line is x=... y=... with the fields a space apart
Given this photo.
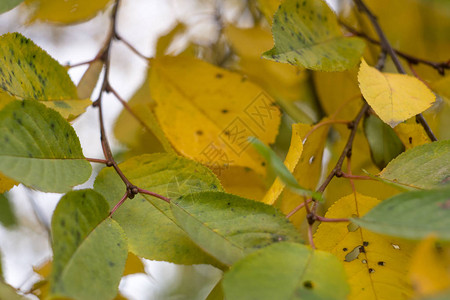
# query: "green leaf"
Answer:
x=28 y=72
x=90 y=249
x=148 y=222
x=280 y=169
x=6 y=5
x=384 y=143
x=40 y=149
x=306 y=33
x=8 y=292
x=287 y=271
x=7 y=216
x=425 y=166
x=413 y=215
x=230 y=227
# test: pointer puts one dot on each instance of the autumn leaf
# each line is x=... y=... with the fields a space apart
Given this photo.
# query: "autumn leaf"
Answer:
x=286 y=271
x=376 y=265
x=207 y=120
x=425 y=166
x=306 y=33
x=28 y=72
x=394 y=97
x=38 y=140
x=65 y=12
x=430 y=267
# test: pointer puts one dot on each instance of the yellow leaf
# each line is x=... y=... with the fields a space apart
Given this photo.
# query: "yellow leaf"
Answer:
x=142 y=134
x=376 y=265
x=430 y=267
x=6 y=183
x=442 y=87
x=268 y=8
x=89 y=80
x=291 y=160
x=133 y=265
x=411 y=134
x=394 y=97
x=65 y=12
x=42 y=287
x=242 y=181
x=208 y=113
x=289 y=85
x=307 y=171
x=164 y=41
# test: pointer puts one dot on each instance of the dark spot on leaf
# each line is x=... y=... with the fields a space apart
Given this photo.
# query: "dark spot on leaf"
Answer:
x=362 y=249
x=228 y=203
x=219 y=75
x=381 y=263
x=52 y=126
x=365 y=244
x=344 y=249
x=308 y=285
x=199 y=132
x=410 y=139
x=111 y=264
x=30 y=155
x=62 y=223
x=224 y=111
x=263 y=164
x=371 y=270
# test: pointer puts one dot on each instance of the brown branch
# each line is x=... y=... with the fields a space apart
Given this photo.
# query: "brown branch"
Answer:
x=386 y=46
x=104 y=55
x=439 y=66
x=131 y=47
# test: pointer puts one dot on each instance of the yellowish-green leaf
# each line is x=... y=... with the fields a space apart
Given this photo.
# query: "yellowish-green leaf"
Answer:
x=291 y=160
x=307 y=34
x=394 y=97
x=384 y=143
x=140 y=130
x=426 y=166
x=208 y=113
x=148 y=222
x=7 y=215
x=6 y=5
x=90 y=249
x=65 y=12
x=430 y=267
x=376 y=265
x=8 y=292
x=69 y=109
x=286 y=271
x=28 y=72
x=37 y=141
x=89 y=80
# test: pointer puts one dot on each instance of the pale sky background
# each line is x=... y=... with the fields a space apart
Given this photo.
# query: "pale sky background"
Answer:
x=140 y=22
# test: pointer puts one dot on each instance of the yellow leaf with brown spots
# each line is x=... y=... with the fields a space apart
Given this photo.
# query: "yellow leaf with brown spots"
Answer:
x=208 y=113
x=376 y=265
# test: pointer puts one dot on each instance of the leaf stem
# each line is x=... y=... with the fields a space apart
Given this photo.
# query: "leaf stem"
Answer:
x=97 y=160
x=142 y=191
x=386 y=46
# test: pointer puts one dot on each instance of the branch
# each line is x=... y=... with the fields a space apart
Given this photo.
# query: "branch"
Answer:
x=439 y=66
x=386 y=46
x=104 y=55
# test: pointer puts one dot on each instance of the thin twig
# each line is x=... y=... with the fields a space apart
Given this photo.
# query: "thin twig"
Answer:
x=131 y=47
x=439 y=66
x=298 y=207
x=386 y=46
x=142 y=191
x=97 y=160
